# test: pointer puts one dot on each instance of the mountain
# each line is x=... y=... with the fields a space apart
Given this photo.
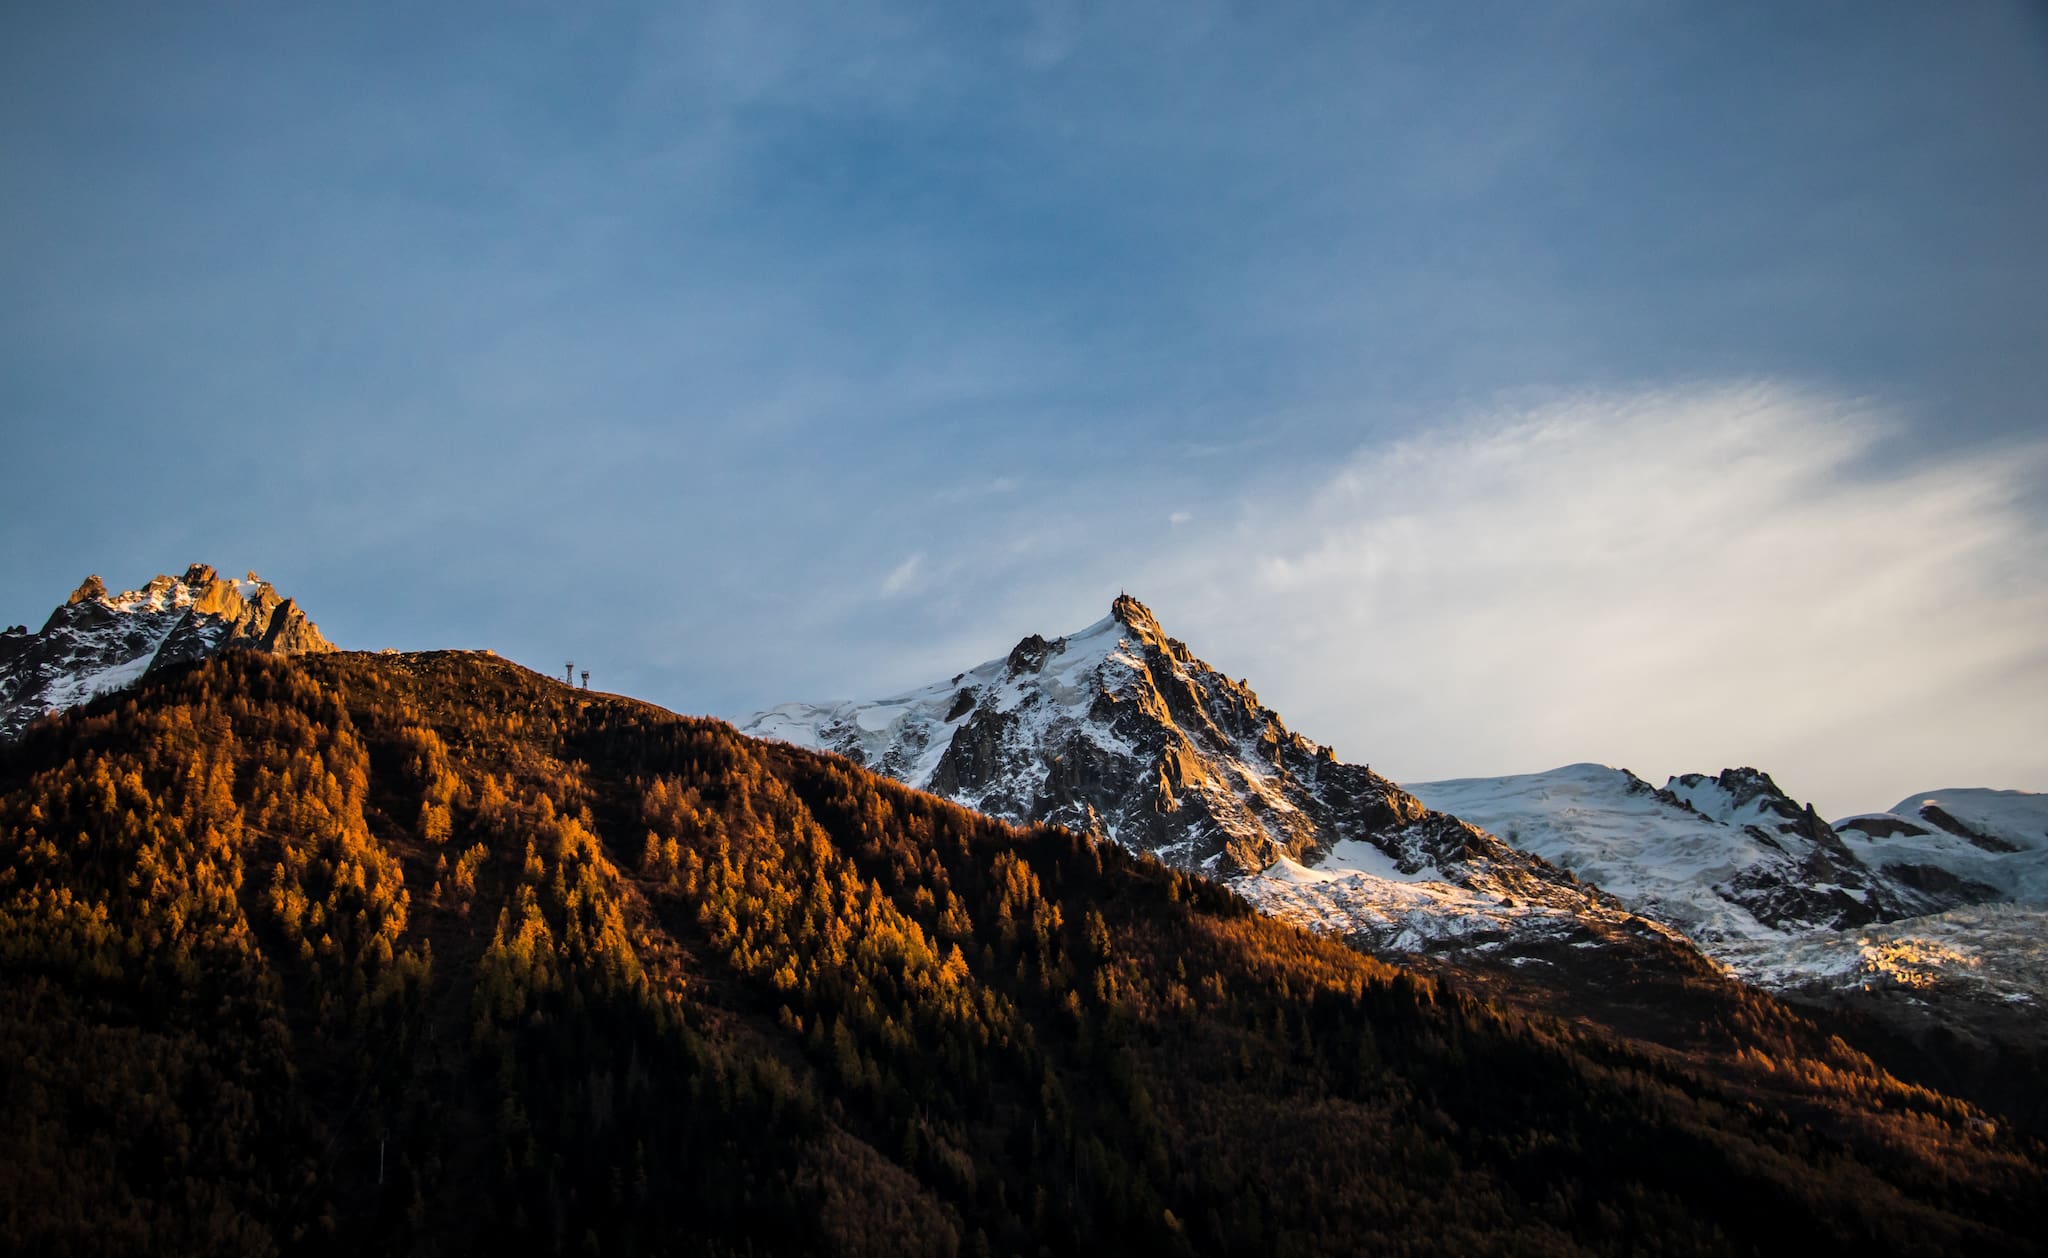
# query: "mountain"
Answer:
x=347 y=953
x=1120 y=731
x=1740 y=866
x=1996 y=840
x=1925 y=923
x=1727 y=859
x=1583 y=890
x=97 y=642
x=1978 y=968
x=1116 y=730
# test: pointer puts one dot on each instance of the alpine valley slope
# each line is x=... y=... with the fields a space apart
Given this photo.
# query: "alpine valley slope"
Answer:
x=97 y=643
x=1120 y=731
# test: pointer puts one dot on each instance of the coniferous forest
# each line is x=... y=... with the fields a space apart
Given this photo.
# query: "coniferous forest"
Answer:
x=430 y=954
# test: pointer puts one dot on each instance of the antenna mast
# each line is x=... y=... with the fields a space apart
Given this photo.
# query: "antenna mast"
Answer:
x=569 y=672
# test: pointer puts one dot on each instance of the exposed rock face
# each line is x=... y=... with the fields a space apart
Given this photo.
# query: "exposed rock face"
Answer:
x=97 y=642
x=1120 y=731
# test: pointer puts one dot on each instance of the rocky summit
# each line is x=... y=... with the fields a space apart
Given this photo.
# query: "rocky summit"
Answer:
x=1119 y=730
x=96 y=642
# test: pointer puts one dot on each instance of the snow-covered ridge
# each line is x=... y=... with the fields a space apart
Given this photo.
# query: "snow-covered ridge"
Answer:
x=1933 y=897
x=1992 y=820
x=97 y=642
x=1727 y=857
x=1984 y=838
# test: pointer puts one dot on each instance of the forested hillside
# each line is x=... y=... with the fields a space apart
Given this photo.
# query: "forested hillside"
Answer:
x=430 y=954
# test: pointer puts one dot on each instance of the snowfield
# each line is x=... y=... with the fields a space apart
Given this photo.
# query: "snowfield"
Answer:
x=1612 y=829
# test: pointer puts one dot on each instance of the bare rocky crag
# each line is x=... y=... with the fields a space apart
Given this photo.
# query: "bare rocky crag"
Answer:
x=96 y=642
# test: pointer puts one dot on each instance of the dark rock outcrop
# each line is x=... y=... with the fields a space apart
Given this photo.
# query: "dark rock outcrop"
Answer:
x=1939 y=816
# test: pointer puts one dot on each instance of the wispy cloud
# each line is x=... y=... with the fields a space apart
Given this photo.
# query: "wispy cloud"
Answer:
x=1677 y=581
x=903 y=577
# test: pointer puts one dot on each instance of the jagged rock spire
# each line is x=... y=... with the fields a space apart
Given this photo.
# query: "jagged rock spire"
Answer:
x=98 y=641
x=1138 y=618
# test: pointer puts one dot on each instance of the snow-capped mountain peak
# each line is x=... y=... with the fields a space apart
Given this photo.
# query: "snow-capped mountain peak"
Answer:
x=1120 y=730
x=1995 y=821
x=1117 y=729
x=1994 y=841
x=97 y=642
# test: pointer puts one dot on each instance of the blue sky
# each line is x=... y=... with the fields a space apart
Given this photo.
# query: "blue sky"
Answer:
x=748 y=353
